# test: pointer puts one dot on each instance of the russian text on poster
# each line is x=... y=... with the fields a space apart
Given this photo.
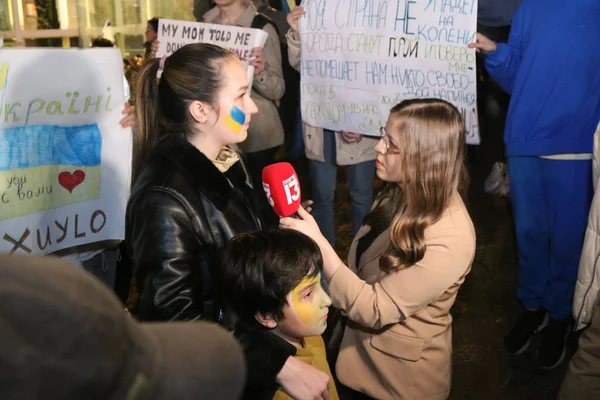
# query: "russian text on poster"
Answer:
x=361 y=57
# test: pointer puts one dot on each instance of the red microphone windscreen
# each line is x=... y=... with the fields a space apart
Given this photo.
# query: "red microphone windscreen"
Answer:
x=282 y=188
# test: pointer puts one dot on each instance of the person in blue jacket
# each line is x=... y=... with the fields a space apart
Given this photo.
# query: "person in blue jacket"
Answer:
x=551 y=68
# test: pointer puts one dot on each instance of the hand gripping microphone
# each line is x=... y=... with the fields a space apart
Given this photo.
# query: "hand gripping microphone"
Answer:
x=282 y=188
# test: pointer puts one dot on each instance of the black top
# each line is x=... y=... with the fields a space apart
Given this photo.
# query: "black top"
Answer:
x=181 y=214
x=365 y=242
x=261 y=383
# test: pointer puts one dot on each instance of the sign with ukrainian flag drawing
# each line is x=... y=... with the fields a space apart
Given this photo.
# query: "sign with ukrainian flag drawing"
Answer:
x=65 y=162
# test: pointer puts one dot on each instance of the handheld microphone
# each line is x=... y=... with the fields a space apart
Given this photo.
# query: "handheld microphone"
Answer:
x=282 y=188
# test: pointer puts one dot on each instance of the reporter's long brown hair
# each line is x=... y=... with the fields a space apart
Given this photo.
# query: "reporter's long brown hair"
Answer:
x=430 y=135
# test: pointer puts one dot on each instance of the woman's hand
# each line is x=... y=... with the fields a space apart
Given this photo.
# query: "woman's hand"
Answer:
x=128 y=121
x=482 y=43
x=306 y=204
x=293 y=17
x=350 y=137
x=257 y=60
x=302 y=381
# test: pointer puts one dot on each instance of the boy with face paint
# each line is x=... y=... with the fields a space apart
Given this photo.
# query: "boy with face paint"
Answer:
x=272 y=281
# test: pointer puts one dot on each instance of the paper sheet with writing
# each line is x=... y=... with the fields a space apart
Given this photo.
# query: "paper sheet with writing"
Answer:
x=361 y=57
x=65 y=162
x=174 y=34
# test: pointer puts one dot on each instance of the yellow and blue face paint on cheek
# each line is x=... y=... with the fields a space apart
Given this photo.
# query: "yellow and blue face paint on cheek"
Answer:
x=312 y=311
x=235 y=120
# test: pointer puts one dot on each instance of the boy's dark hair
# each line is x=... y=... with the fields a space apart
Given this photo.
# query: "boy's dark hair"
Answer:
x=102 y=42
x=261 y=268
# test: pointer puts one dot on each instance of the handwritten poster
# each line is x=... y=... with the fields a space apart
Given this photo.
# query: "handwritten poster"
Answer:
x=362 y=57
x=174 y=34
x=65 y=162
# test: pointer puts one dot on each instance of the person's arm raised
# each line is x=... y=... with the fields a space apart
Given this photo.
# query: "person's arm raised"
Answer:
x=268 y=76
x=503 y=60
x=293 y=38
x=401 y=293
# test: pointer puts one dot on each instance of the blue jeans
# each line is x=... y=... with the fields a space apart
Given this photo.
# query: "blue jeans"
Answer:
x=550 y=201
x=323 y=179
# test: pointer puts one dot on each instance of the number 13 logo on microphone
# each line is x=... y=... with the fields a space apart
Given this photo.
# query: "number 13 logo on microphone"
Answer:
x=282 y=188
x=292 y=189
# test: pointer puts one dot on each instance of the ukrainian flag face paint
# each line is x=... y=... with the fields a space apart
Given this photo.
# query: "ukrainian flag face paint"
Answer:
x=236 y=119
x=306 y=311
x=310 y=302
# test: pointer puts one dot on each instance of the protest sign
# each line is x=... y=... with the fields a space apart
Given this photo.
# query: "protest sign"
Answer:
x=361 y=57
x=65 y=162
x=174 y=34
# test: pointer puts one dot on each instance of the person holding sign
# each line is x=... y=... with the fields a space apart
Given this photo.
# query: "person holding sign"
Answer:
x=266 y=131
x=102 y=258
x=191 y=194
x=326 y=150
x=151 y=36
x=554 y=82
x=407 y=262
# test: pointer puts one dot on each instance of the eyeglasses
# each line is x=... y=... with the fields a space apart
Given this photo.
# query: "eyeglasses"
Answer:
x=389 y=147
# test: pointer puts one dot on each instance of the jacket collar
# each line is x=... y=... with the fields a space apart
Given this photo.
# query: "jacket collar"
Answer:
x=375 y=250
x=196 y=167
x=213 y=16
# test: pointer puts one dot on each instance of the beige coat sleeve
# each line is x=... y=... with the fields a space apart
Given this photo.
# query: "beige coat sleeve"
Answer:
x=587 y=288
x=400 y=294
x=269 y=83
x=293 y=51
x=596 y=159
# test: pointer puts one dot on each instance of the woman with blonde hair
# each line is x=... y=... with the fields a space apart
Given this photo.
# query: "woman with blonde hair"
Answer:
x=407 y=261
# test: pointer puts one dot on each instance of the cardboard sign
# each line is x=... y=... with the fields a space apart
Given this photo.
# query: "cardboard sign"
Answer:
x=174 y=34
x=65 y=162
x=362 y=57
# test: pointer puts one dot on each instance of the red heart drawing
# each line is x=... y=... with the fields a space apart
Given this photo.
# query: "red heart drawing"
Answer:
x=70 y=180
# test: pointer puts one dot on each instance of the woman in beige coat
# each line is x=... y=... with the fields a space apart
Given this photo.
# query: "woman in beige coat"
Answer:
x=407 y=262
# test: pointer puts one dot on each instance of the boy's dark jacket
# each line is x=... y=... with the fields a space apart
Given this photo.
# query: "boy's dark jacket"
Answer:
x=261 y=382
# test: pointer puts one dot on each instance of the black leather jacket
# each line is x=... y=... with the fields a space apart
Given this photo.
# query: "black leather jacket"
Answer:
x=181 y=214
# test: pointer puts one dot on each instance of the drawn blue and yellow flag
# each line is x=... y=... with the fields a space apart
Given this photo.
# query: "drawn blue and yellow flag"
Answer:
x=48 y=166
